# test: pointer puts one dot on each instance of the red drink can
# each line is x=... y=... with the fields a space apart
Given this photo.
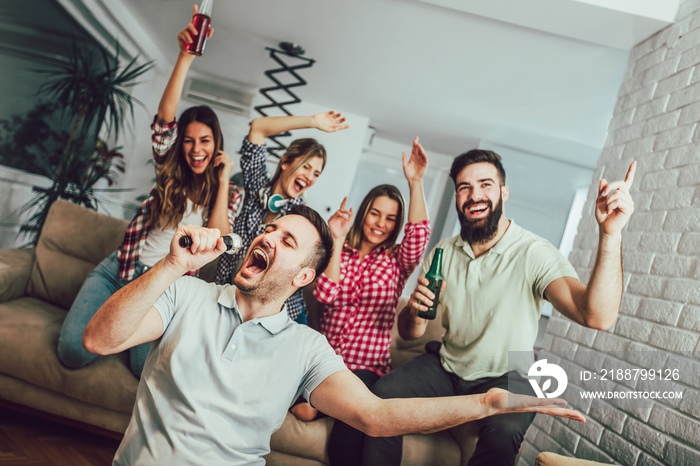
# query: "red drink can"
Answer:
x=202 y=23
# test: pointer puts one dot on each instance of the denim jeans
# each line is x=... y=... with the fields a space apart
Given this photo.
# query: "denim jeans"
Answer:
x=102 y=283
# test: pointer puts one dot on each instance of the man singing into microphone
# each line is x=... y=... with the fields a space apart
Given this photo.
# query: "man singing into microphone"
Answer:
x=227 y=361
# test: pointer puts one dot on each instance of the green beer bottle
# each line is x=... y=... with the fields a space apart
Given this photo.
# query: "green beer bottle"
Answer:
x=435 y=280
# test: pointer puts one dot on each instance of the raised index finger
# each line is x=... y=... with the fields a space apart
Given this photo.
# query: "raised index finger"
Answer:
x=629 y=178
x=342 y=204
x=420 y=152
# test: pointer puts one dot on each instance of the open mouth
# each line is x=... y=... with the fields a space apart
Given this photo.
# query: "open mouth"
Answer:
x=478 y=209
x=300 y=185
x=377 y=232
x=257 y=263
x=198 y=161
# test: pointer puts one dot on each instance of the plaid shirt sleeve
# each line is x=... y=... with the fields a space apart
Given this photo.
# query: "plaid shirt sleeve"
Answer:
x=358 y=321
x=412 y=247
x=134 y=239
x=325 y=289
x=162 y=138
x=253 y=166
x=235 y=200
x=296 y=305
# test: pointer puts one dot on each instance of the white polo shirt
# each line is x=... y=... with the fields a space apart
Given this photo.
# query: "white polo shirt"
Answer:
x=214 y=389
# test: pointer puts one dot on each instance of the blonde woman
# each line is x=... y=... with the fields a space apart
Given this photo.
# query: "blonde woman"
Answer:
x=268 y=198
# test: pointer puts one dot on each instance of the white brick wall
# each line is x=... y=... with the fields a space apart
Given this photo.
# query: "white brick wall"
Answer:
x=656 y=121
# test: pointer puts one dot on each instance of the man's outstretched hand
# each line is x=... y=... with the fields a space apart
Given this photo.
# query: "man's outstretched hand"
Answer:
x=503 y=401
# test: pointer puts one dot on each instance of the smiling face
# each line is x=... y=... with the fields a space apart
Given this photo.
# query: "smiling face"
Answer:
x=479 y=201
x=198 y=146
x=380 y=221
x=274 y=265
x=298 y=176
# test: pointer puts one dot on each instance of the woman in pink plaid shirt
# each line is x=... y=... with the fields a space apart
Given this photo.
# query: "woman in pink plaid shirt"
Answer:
x=361 y=287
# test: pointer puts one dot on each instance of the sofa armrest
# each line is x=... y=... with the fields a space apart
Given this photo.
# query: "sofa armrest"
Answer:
x=554 y=459
x=15 y=267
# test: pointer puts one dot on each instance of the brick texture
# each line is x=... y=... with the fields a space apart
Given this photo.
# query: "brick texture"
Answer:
x=656 y=121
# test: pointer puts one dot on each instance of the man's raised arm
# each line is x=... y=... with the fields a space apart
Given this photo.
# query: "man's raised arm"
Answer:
x=128 y=317
x=344 y=397
x=597 y=304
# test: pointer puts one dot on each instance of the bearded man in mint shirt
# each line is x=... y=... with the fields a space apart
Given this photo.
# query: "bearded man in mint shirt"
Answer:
x=497 y=277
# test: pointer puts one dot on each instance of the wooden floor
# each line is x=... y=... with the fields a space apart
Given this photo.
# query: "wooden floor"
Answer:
x=28 y=440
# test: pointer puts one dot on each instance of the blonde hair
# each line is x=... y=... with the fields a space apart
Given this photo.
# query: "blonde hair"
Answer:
x=175 y=181
x=354 y=237
x=302 y=150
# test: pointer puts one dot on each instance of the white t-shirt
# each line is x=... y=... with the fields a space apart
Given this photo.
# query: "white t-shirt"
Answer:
x=158 y=241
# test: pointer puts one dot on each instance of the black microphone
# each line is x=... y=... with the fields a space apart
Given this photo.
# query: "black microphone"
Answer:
x=232 y=241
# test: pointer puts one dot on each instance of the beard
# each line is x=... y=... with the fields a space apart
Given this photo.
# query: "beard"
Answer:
x=482 y=230
x=266 y=287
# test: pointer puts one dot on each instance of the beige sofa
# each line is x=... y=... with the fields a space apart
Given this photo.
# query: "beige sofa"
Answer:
x=554 y=459
x=37 y=286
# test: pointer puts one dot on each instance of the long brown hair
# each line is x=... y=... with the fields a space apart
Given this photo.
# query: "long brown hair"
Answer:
x=302 y=150
x=354 y=237
x=175 y=182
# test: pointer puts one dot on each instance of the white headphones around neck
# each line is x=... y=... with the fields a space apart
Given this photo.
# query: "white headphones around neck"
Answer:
x=273 y=203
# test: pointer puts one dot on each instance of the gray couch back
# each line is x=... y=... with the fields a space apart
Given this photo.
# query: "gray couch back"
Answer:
x=73 y=241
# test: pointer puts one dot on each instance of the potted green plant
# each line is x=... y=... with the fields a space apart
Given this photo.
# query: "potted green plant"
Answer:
x=91 y=93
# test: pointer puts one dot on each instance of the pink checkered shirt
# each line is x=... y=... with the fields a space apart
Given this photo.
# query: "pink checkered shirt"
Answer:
x=360 y=311
x=163 y=137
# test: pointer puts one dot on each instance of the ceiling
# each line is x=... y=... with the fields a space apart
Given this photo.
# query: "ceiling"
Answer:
x=429 y=68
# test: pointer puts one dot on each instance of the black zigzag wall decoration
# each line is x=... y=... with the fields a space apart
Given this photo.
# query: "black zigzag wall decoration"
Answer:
x=293 y=52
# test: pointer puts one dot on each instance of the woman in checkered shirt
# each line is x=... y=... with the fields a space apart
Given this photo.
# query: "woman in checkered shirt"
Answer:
x=269 y=198
x=361 y=287
x=192 y=187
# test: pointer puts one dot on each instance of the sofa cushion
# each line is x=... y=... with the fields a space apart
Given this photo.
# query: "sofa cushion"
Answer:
x=73 y=241
x=15 y=267
x=305 y=439
x=19 y=392
x=310 y=440
x=29 y=331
